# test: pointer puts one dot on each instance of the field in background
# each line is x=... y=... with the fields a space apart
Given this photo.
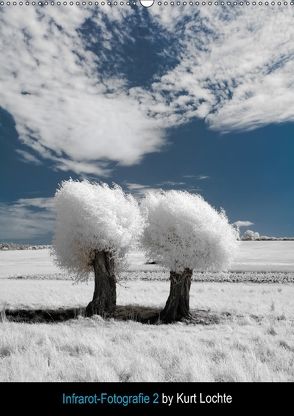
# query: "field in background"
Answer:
x=250 y=338
x=253 y=256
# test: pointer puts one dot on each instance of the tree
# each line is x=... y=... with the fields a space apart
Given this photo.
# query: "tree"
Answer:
x=95 y=225
x=250 y=235
x=184 y=233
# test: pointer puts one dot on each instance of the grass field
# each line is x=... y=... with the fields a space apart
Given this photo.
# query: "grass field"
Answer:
x=255 y=256
x=246 y=330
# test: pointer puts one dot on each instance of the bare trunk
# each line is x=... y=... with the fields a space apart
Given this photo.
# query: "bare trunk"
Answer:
x=177 y=305
x=104 y=298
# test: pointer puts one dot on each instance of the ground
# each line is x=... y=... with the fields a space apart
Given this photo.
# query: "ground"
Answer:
x=245 y=330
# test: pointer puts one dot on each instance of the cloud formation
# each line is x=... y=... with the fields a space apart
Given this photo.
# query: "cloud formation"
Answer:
x=236 y=67
x=28 y=157
x=235 y=70
x=140 y=190
x=62 y=108
x=241 y=223
x=26 y=219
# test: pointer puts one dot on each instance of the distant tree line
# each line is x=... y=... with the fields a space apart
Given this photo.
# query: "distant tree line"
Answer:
x=17 y=246
x=250 y=235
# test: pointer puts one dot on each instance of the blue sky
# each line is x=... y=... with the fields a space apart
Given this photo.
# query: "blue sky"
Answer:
x=160 y=98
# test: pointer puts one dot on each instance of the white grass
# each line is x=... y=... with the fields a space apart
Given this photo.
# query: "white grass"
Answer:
x=26 y=262
x=254 y=342
x=253 y=256
x=237 y=298
x=265 y=256
x=97 y=350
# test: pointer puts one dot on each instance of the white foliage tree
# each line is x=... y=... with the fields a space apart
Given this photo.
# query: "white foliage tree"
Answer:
x=184 y=233
x=95 y=225
x=250 y=235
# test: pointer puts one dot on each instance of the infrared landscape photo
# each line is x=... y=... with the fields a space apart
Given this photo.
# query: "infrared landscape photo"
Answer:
x=146 y=192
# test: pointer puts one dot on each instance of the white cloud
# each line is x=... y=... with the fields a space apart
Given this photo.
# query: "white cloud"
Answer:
x=63 y=108
x=235 y=71
x=26 y=219
x=197 y=177
x=135 y=186
x=236 y=67
x=171 y=183
x=28 y=157
x=241 y=223
x=40 y=203
x=139 y=190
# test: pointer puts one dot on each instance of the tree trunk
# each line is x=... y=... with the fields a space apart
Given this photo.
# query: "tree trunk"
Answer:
x=104 y=298
x=177 y=305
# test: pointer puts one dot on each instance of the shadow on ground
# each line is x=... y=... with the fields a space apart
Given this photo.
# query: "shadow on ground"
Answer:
x=146 y=315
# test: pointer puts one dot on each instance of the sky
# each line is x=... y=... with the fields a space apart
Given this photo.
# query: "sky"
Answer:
x=171 y=97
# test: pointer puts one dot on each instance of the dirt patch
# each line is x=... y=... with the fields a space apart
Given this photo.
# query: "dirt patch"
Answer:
x=42 y=315
x=146 y=315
